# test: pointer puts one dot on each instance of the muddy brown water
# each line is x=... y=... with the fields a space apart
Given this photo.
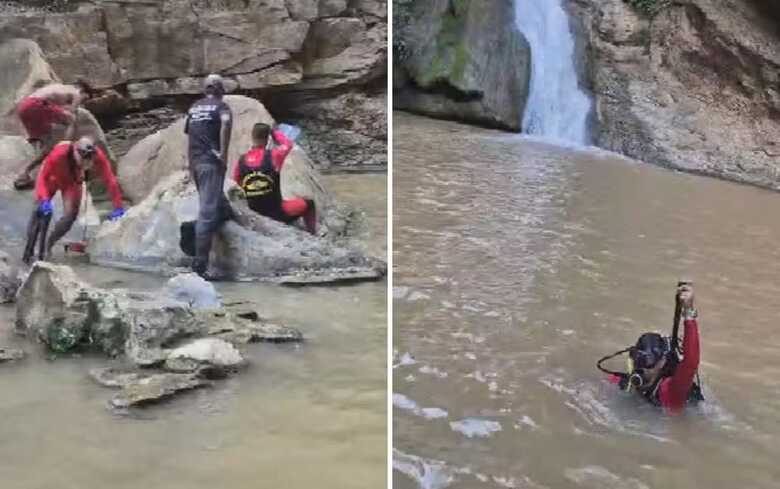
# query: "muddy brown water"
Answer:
x=517 y=264
x=312 y=415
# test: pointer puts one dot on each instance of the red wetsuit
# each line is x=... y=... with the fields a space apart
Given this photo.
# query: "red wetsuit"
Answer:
x=60 y=173
x=672 y=392
x=38 y=115
x=286 y=209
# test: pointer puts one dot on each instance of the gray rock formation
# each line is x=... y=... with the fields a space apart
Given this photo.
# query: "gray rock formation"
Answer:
x=463 y=60
x=147 y=239
x=694 y=88
x=154 y=387
x=9 y=279
x=349 y=130
x=10 y=354
x=165 y=48
x=21 y=66
x=65 y=313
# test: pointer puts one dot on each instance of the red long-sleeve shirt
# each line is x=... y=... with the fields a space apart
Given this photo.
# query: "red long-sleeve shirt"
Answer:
x=673 y=391
x=59 y=173
x=254 y=157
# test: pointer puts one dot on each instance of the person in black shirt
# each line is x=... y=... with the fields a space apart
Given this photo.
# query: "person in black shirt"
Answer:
x=208 y=126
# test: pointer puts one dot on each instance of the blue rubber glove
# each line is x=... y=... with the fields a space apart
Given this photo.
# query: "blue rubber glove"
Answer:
x=292 y=132
x=45 y=208
x=116 y=214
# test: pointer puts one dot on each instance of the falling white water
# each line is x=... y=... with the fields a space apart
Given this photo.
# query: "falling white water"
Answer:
x=557 y=107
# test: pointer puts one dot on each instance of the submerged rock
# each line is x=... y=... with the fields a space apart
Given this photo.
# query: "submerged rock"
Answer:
x=65 y=313
x=10 y=354
x=9 y=280
x=212 y=354
x=253 y=331
x=113 y=377
x=155 y=387
x=147 y=239
x=195 y=291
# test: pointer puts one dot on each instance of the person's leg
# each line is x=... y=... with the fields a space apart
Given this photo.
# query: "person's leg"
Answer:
x=209 y=180
x=32 y=235
x=45 y=144
x=71 y=199
x=301 y=208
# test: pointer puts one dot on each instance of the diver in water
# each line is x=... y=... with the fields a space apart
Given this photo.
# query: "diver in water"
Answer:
x=659 y=369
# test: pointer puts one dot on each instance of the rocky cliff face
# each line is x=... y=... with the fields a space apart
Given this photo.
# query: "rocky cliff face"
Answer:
x=693 y=88
x=462 y=60
x=152 y=49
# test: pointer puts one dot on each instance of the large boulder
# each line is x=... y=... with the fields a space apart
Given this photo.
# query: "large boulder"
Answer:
x=161 y=154
x=22 y=65
x=57 y=308
x=462 y=60
x=147 y=239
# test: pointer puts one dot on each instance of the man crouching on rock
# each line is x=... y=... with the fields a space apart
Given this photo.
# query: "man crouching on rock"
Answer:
x=49 y=115
x=64 y=170
x=258 y=173
x=208 y=125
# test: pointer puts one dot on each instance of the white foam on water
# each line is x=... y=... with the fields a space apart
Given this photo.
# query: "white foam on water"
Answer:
x=475 y=427
x=402 y=402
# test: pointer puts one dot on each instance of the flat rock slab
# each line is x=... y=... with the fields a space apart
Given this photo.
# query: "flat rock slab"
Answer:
x=113 y=377
x=254 y=331
x=154 y=388
x=10 y=354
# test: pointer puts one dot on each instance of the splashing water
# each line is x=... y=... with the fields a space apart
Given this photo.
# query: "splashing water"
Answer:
x=557 y=107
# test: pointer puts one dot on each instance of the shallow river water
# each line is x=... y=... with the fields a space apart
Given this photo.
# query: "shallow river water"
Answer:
x=517 y=264
x=312 y=415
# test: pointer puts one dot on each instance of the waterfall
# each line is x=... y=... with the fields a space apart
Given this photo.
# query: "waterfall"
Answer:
x=557 y=107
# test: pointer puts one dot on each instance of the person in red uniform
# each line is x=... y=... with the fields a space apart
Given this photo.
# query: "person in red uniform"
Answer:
x=258 y=173
x=656 y=371
x=63 y=171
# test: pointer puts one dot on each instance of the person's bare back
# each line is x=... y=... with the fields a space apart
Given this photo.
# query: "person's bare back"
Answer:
x=66 y=96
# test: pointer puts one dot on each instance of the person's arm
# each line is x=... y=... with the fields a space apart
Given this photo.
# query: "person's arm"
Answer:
x=285 y=145
x=104 y=167
x=237 y=170
x=41 y=191
x=226 y=125
x=674 y=390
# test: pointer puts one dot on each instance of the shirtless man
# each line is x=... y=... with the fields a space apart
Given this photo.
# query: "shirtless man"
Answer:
x=49 y=115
